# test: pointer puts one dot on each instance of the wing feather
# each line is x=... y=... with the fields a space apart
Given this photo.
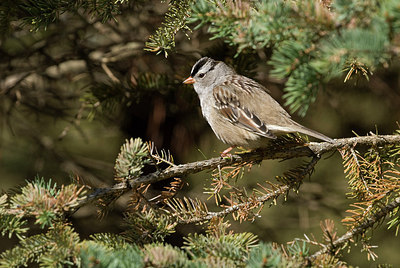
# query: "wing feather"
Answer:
x=247 y=104
x=229 y=106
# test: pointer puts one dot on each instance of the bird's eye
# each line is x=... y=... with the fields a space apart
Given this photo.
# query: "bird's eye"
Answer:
x=201 y=75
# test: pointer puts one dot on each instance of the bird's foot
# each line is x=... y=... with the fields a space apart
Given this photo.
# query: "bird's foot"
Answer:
x=226 y=153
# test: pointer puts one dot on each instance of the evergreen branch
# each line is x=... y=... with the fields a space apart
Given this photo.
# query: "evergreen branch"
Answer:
x=41 y=14
x=358 y=230
x=188 y=210
x=175 y=20
x=131 y=159
x=259 y=201
x=98 y=193
x=262 y=199
x=41 y=200
x=148 y=226
x=312 y=149
x=53 y=249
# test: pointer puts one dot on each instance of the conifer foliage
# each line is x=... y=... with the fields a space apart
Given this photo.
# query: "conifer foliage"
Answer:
x=310 y=43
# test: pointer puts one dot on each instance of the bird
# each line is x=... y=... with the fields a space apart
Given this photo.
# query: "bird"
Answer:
x=240 y=111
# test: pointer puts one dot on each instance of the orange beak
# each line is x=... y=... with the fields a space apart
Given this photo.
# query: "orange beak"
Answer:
x=189 y=80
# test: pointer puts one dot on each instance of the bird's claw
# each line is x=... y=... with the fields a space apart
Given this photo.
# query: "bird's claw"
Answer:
x=226 y=154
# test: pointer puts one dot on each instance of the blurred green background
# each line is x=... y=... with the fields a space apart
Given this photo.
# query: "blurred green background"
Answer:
x=52 y=126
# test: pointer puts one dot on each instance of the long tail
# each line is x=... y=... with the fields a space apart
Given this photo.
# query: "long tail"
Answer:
x=312 y=133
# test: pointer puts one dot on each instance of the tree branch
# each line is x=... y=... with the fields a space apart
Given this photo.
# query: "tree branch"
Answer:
x=361 y=228
x=259 y=201
x=310 y=149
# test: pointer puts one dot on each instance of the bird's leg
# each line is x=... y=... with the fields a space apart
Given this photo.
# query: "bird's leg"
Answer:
x=226 y=153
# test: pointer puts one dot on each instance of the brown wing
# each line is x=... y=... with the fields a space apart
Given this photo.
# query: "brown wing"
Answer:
x=227 y=101
x=256 y=111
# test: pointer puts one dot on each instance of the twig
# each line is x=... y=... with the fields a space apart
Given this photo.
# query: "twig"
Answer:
x=117 y=190
x=261 y=199
x=109 y=73
x=353 y=153
x=361 y=228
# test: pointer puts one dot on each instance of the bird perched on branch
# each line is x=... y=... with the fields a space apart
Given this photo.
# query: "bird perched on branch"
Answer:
x=239 y=110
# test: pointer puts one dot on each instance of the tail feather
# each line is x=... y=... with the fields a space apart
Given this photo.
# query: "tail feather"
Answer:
x=302 y=129
x=313 y=133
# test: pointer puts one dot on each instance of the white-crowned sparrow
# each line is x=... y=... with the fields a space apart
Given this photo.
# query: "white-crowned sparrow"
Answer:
x=239 y=110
